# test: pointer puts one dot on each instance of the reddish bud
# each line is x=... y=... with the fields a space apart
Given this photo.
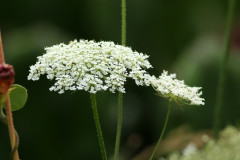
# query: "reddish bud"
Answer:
x=6 y=77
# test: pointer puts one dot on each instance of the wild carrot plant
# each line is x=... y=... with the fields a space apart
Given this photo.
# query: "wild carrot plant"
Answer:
x=167 y=86
x=93 y=67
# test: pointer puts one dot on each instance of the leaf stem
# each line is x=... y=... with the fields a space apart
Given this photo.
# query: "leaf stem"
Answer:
x=3 y=118
x=163 y=131
x=222 y=69
x=98 y=126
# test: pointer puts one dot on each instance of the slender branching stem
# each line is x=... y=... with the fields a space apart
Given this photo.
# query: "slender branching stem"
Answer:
x=222 y=69
x=119 y=126
x=120 y=95
x=123 y=22
x=163 y=131
x=12 y=132
x=98 y=126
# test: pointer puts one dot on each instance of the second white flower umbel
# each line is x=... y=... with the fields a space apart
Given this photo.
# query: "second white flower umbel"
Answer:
x=170 y=87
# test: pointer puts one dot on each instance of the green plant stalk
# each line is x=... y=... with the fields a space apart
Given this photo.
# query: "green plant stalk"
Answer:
x=123 y=22
x=119 y=126
x=222 y=70
x=163 y=131
x=98 y=126
x=120 y=95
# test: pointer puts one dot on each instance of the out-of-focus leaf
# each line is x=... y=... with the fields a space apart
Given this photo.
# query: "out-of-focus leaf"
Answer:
x=18 y=97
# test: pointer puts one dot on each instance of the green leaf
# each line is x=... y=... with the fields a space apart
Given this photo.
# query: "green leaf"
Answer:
x=18 y=97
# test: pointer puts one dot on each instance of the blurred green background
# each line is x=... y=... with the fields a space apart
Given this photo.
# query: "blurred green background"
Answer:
x=184 y=37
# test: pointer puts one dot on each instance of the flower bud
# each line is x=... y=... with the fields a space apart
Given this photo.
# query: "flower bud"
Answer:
x=6 y=77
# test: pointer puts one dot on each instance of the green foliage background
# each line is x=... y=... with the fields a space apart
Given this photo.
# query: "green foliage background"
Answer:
x=184 y=37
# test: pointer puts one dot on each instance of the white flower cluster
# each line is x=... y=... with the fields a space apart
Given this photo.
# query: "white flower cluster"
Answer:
x=90 y=66
x=169 y=87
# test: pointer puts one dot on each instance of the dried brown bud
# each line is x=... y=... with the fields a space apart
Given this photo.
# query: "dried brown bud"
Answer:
x=6 y=77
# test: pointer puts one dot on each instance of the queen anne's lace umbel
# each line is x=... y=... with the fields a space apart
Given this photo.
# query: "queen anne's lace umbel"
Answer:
x=169 y=87
x=90 y=66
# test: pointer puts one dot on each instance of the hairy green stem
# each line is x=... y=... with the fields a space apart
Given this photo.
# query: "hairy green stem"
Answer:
x=222 y=70
x=98 y=126
x=163 y=131
x=120 y=95
x=123 y=22
x=119 y=126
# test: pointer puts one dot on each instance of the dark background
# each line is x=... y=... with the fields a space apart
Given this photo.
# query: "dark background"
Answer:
x=181 y=36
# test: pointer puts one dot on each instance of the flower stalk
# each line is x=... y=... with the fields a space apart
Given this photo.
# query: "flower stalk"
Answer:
x=98 y=126
x=163 y=131
x=124 y=30
x=222 y=69
x=119 y=126
x=120 y=95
